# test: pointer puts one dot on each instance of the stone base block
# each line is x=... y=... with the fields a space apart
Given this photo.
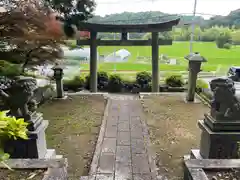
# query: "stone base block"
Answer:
x=51 y=153
x=218 y=145
x=63 y=98
x=217 y=126
x=197 y=168
x=35 y=147
x=195 y=154
x=196 y=100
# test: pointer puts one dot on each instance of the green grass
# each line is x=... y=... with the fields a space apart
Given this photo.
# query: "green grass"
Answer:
x=178 y=50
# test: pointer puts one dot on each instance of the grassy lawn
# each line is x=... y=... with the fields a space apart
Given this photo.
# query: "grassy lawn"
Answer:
x=173 y=131
x=180 y=49
x=217 y=58
x=73 y=130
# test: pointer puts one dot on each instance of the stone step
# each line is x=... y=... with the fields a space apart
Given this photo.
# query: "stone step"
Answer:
x=84 y=178
x=59 y=156
x=51 y=153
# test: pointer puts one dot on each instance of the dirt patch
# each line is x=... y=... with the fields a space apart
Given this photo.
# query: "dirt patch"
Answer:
x=173 y=130
x=6 y=174
x=73 y=130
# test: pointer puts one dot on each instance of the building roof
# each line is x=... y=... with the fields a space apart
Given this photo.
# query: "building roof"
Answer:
x=156 y=27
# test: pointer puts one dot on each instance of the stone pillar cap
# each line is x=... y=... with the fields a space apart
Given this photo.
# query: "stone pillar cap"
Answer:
x=195 y=57
x=57 y=66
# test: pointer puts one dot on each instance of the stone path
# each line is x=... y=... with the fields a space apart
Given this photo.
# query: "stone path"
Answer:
x=123 y=153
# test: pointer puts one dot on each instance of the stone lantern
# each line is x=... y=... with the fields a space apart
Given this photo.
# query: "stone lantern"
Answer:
x=194 y=67
x=58 y=75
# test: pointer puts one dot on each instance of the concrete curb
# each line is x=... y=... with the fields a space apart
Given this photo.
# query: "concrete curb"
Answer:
x=94 y=164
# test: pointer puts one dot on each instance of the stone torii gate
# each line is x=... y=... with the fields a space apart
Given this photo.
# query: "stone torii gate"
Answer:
x=124 y=29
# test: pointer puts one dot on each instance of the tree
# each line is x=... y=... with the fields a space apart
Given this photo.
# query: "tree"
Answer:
x=236 y=37
x=222 y=39
x=71 y=12
x=210 y=35
x=30 y=33
x=24 y=33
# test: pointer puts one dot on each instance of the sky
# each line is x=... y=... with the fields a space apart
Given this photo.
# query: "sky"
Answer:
x=216 y=7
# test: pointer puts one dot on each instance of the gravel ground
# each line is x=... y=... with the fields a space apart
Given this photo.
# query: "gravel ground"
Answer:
x=173 y=130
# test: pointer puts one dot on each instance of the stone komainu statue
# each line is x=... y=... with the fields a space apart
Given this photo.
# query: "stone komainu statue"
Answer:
x=225 y=105
x=18 y=98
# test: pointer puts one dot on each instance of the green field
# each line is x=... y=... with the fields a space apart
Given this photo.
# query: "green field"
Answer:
x=217 y=58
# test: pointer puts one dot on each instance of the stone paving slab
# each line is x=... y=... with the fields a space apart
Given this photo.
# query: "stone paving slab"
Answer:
x=123 y=153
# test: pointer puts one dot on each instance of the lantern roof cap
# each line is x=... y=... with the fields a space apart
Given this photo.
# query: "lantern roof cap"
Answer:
x=196 y=56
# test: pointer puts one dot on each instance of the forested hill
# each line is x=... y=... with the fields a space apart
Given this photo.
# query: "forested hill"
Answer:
x=156 y=16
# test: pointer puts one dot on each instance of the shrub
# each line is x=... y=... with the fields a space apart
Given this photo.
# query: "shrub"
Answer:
x=143 y=78
x=131 y=86
x=74 y=84
x=174 y=81
x=6 y=82
x=227 y=46
x=10 y=129
x=87 y=82
x=102 y=78
x=222 y=39
x=115 y=83
x=9 y=70
x=201 y=84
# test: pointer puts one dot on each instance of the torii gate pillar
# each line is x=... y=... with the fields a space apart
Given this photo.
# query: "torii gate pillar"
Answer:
x=155 y=63
x=93 y=62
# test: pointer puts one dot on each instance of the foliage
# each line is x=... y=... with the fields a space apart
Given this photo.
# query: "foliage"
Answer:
x=115 y=83
x=9 y=69
x=87 y=82
x=25 y=35
x=178 y=50
x=231 y=20
x=222 y=39
x=74 y=84
x=174 y=81
x=102 y=79
x=227 y=46
x=143 y=78
x=205 y=32
x=211 y=34
x=102 y=76
x=236 y=37
x=71 y=13
x=11 y=129
x=201 y=84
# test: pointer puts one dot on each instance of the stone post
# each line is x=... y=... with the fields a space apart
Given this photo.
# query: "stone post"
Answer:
x=155 y=63
x=93 y=62
x=194 y=67
x=58 y=75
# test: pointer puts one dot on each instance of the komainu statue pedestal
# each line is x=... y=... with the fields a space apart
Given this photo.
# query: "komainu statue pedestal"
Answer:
x=35 y=146
x=219 y=140
x=18 y=98
x=220 y=133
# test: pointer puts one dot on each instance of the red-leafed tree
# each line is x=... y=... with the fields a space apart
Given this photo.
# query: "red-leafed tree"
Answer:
x=30 y=33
